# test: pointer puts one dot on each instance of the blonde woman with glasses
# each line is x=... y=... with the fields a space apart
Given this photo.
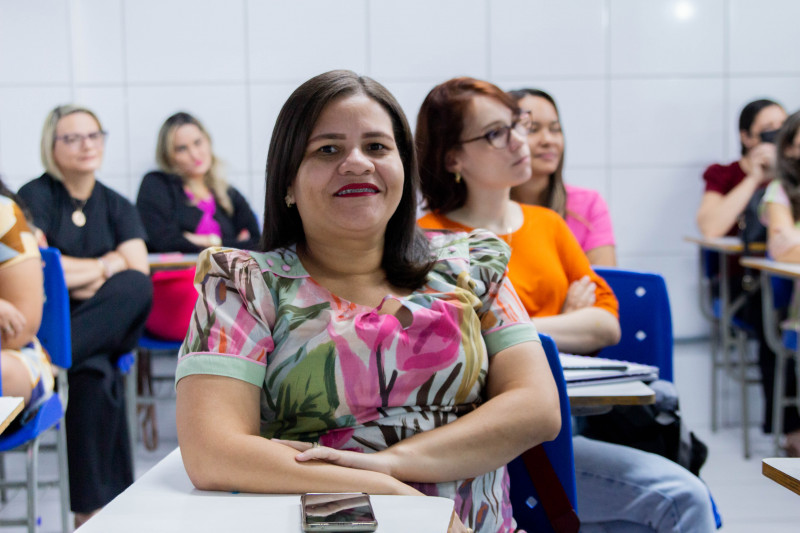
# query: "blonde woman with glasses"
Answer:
x=101 y=240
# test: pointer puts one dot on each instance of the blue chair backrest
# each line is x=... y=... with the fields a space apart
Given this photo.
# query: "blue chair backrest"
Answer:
x=54 y=331
x=530 y=516
x=644 y=318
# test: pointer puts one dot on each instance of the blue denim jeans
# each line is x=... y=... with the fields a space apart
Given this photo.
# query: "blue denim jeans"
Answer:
x=622 y=489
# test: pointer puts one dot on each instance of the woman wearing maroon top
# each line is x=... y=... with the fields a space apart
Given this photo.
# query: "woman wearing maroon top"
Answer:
x=728 y=191
x=729 y=187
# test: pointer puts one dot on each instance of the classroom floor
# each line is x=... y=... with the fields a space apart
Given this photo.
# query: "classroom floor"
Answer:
x=748 y=501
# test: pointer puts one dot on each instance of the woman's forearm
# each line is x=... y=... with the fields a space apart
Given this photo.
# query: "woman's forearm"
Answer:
x=718 y=214
x=522 y=412
x=583 y=331
x=218 y=425
x=81 y=272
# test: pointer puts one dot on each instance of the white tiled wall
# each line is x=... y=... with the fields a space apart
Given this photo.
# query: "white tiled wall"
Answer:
x=649 y=91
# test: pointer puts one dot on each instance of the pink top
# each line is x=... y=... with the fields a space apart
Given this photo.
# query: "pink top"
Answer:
x=588 y=218
x=207 y=224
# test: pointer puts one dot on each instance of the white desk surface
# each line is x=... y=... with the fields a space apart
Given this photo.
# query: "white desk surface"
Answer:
x=789 y=270
x=728 y=245
x=783 y=470
x=621 y=393
x=10 y=407
x=164 y=500
x=171 y=260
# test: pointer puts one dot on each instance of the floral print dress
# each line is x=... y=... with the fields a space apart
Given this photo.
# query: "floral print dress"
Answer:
x=350 y=377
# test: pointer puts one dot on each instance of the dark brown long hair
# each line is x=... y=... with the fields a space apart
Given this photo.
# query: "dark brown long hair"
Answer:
x=789 y=167
x=556 y=192
x=406 y=254
x=439 y=126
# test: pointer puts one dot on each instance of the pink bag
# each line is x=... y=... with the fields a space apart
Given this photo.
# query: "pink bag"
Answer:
x=174 y=297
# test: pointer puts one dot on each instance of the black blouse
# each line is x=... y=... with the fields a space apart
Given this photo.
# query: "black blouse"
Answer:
x=167 y=213
x=110 y=218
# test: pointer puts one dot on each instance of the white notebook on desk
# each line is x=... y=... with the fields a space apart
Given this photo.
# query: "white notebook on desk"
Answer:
x=583 y=370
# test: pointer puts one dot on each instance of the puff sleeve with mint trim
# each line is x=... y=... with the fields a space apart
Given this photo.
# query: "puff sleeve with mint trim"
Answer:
x=480 y=259
x=231 y=318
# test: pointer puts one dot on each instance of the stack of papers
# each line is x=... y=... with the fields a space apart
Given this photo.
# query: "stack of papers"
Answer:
x=583 y=370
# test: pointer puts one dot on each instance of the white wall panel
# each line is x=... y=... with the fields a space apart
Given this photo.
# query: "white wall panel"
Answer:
x=666 y=122
x=680 y=274
x=266 y=101
x=666 y=37
x=763 y=36
x=298 y=40
x=221 y=109
x=34 y=42
x=22 y=113
x=654 y=209
x=540 y=38
x=423 y=40
x=184 y=41
x=410 y=95
x=97 y=40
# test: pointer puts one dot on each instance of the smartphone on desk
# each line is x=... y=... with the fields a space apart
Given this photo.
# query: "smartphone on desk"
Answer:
x=334 y=512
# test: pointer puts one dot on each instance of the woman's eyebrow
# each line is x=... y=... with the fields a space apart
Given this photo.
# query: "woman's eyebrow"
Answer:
x=379 y=134
x=335 y=136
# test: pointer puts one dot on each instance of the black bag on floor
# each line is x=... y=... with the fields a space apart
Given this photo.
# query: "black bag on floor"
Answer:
x=656 y=428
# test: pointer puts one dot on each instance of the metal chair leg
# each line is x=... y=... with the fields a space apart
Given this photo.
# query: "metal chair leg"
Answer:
x=777 y=399
x=63 y=476
x=32 y=469
x=742 y=349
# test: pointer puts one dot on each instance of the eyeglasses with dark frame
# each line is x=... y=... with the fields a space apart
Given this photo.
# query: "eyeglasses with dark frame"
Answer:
x=500 y=136
x=74 y=140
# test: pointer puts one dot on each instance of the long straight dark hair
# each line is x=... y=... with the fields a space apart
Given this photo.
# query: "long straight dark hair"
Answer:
x=406 y=254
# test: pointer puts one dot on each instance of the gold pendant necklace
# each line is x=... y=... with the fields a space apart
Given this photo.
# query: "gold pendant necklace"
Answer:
x=78 y=218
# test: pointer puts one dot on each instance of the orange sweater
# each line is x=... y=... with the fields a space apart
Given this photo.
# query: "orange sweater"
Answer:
x=545 y=260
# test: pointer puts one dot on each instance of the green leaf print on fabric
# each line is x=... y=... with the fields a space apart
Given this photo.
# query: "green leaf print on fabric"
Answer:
x=307 y=398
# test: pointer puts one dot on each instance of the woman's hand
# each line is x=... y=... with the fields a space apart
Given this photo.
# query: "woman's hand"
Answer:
x=12 y=321
x=762 y=161
x=375 y=462
x=581 y=293
x=244 y=235
x=113 y=263
x=201 y=241
x=457 y=526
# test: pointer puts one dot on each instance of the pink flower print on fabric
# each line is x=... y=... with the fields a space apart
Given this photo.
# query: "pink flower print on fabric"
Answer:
x=395 y=368
x=237 y=339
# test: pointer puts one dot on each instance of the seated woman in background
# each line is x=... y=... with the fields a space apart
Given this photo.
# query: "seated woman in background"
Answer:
x=25 y=366
x=584 y=210
x=101 y=240
x=782 y=210
x=352 y=331
x=471 y=140
x=188 y=206
x=730 y=187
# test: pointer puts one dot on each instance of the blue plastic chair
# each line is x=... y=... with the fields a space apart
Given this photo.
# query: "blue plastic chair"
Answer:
x=147 y=347
x=529 y=515
x=644 y=318
x=646 y=323
x=54 y=334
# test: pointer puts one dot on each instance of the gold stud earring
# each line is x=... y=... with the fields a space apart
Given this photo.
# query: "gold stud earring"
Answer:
x=289 y=201
x=458 y=177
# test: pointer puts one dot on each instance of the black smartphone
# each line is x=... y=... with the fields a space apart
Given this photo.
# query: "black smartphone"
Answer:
x=349 y=511
x=768 y=136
